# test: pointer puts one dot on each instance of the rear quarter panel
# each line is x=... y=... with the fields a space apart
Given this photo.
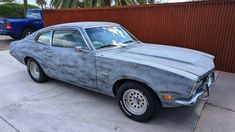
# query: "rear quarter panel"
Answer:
x=28 y=48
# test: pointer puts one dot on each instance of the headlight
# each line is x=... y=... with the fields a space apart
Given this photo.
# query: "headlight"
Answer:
x=210 y=79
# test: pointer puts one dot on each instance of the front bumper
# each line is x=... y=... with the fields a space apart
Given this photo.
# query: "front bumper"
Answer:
x=204 y=89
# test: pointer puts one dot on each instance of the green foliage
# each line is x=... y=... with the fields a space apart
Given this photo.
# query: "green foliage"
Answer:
x=97 y=3
x=79 y=3
x=33 y=7
x=41 y=3
x=7 y=0
x=13 y=10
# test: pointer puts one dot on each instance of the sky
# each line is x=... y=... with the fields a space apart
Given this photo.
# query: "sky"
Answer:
x=48 y=1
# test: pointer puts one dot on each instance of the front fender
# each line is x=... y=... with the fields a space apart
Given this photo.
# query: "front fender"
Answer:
x=130 y=77
x=177 y=90
x=160 y=81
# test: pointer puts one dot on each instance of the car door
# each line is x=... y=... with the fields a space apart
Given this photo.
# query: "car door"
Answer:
x=64 y=63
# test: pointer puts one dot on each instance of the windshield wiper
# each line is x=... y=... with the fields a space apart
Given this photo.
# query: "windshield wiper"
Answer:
x=104 y=46
x=129 y=41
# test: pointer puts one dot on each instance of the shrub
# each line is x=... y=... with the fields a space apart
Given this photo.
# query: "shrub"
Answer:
x=13 y=10
x=32 y=7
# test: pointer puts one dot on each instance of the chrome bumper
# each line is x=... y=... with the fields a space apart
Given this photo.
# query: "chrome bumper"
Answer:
x=192 y=100
x=205 y=88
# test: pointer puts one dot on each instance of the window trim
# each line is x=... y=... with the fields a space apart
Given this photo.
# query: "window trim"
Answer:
x=53 y=32
x=68 y=29
x=39 y=34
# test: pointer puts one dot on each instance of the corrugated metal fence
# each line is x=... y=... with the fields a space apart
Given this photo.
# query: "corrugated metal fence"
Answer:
x=205 y=26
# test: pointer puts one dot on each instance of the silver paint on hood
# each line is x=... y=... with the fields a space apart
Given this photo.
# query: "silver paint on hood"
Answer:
x=186 y=62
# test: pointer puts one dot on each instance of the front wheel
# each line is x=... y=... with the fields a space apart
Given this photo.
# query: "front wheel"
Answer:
x=137 y=101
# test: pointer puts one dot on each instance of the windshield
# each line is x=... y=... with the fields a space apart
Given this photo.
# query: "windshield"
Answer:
x=110 y=36
x=35 y=15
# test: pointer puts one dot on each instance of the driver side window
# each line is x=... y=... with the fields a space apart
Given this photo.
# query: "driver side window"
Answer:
x=68 y=39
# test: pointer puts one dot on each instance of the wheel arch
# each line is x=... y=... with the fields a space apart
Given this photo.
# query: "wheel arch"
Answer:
x=26 y=58
x=29 y=27
x=43 y=76
x=119 y=82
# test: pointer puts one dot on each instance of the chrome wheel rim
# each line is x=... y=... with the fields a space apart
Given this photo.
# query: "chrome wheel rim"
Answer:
x=135 y=101
x=33 y=68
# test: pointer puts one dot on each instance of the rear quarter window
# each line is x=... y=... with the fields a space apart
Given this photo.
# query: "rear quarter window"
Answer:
x=44 y=38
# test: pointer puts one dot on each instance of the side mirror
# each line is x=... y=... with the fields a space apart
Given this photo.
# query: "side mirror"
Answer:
x=79 y=49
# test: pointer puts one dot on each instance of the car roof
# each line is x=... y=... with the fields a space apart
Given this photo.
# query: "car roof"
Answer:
x=74 y=25
x=84 y=24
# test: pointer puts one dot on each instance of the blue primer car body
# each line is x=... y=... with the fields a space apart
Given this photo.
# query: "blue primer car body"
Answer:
x=108 y=59
x=165 y=69
x=15 y=27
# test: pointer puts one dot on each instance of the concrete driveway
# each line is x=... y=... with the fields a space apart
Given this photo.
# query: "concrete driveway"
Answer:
x=26 y=106
x=4 y=42
x=219 y=111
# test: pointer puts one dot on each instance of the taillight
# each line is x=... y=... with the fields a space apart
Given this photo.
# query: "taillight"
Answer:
x=8 y=25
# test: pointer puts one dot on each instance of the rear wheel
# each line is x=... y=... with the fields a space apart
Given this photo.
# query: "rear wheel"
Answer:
x=26 y=32
x=35 y=71
x=15 y=37
x=137 y=102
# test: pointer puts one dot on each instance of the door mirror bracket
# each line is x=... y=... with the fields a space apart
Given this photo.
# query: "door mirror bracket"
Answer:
x=80 y=49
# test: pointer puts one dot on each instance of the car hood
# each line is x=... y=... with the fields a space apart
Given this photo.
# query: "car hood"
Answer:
x=170 y=58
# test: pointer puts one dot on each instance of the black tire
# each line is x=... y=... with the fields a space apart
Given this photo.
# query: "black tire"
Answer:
x=42 y=76
x=153 y=103
x=26 y=32
x=16 y=37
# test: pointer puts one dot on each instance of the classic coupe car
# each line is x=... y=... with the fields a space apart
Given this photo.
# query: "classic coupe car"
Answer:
x=106 y=58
